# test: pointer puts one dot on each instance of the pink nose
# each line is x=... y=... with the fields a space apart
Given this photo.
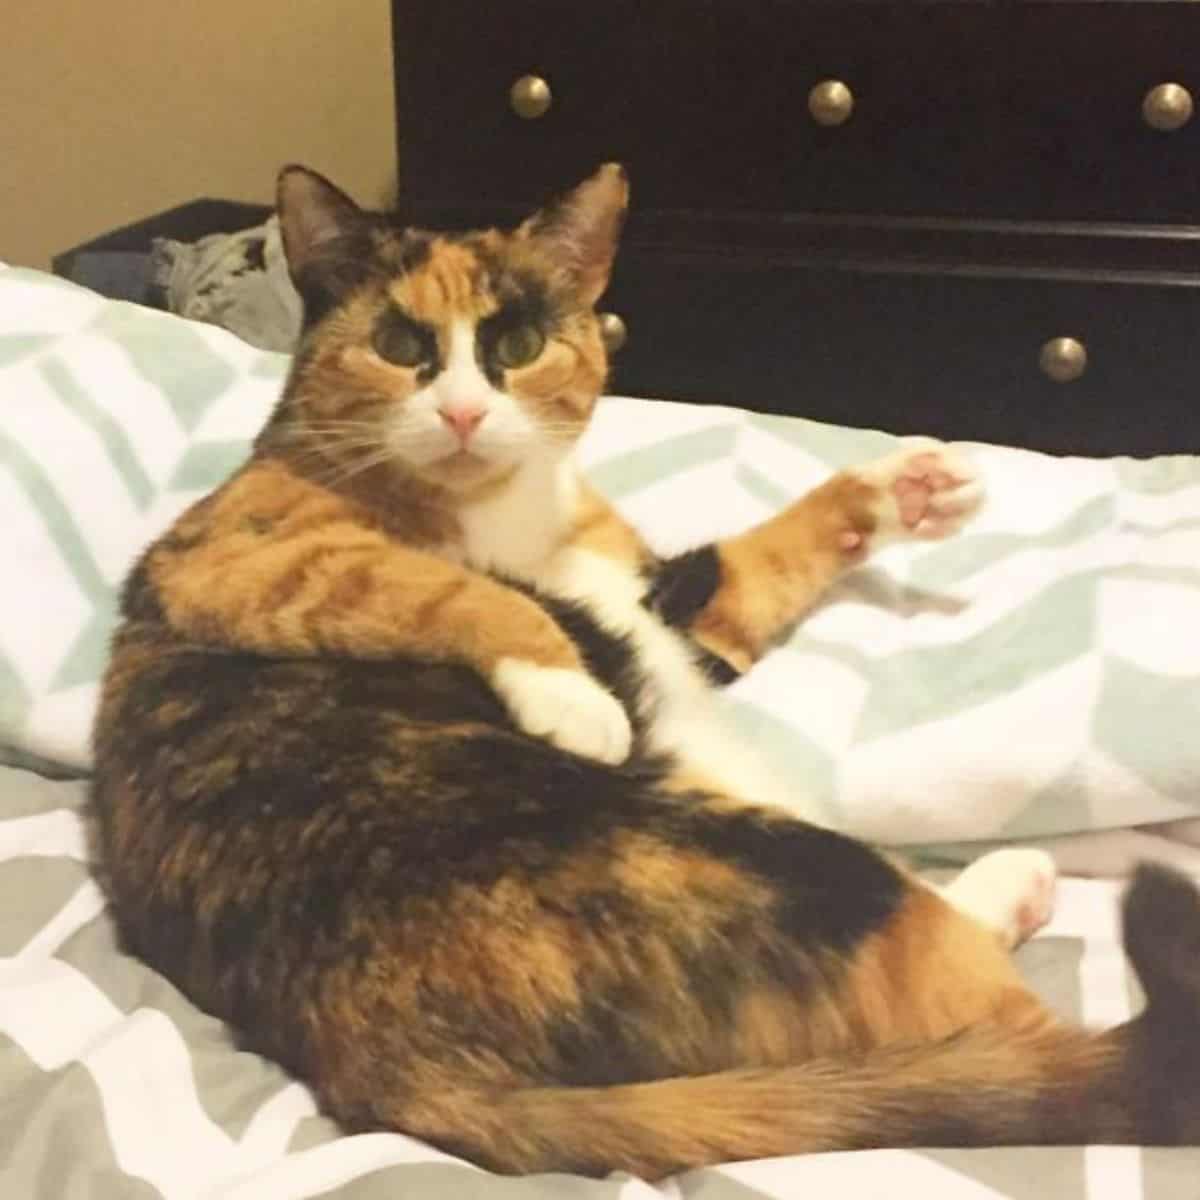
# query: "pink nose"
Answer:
x=464 y=419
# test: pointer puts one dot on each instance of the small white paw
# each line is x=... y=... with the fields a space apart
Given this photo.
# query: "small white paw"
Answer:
x=1011 y=891
x=566 y=707
x=926 y=490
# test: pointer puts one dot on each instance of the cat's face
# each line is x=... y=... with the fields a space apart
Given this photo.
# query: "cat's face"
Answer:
x=457 y=357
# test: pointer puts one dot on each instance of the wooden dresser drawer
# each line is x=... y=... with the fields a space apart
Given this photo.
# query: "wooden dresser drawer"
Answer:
x=995 y=186
x=1071 y=139
x=722 y=116
x=1031 y=110
x=956 y=109
x=706 y=102
x=953 y=356
x=465 y=156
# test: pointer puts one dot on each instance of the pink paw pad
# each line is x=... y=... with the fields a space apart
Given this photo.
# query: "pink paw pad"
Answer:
x=926 y=490
x=922 y=478
x=1037 y=907
x=1010 y=891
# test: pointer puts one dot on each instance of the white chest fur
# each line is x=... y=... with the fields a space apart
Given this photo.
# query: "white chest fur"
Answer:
x=518 y=529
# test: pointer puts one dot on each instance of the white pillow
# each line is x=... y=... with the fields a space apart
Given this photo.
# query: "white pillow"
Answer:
x=113 y=418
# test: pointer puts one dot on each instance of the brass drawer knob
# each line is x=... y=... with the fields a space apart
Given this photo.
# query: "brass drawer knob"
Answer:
x=1063 y=359
x=530 y=97
x=1167 y=107
x=612 y=331
x=831 y=102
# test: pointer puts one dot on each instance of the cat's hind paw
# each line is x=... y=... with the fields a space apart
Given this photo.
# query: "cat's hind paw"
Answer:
x=1010 y=891
x=566 y=707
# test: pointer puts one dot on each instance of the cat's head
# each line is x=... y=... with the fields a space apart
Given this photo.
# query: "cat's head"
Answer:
x=454 y=357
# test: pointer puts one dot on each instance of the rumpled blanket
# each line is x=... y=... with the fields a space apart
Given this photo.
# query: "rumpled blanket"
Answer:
x=237 y=280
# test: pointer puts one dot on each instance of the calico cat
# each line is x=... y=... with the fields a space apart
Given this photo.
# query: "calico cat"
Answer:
x=406 y=767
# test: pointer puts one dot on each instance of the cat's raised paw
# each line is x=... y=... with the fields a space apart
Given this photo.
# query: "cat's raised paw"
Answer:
x=566 y=707
x=926 y=490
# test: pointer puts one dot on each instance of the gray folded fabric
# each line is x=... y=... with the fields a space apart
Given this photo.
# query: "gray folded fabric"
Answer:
x=237 y=280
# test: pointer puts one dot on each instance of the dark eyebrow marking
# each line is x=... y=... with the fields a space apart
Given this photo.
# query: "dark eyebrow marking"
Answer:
x=393 y=316
x=526 y=302
x=396 y=313
x=522 y=301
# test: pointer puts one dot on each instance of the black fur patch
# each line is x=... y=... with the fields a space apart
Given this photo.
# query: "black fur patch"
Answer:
x=340 y=264
x=683 y=585
x=523 y=301
x=412 y=251
x=680 y=587
x=139 y=599
x=326 y=279
x=610 y=657
x=1162 y=939
x=716 y=670
x=832 y=890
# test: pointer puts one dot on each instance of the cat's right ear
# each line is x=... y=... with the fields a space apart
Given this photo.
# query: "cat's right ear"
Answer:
x=312 y=213
x=325 y=238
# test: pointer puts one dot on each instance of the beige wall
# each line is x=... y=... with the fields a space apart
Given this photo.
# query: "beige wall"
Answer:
x=111 y=110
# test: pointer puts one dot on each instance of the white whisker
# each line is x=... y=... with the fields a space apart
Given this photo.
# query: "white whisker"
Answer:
x=337 y=478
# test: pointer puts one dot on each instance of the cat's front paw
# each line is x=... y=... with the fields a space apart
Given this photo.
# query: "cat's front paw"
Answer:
x=925 y=490
x=566 y=707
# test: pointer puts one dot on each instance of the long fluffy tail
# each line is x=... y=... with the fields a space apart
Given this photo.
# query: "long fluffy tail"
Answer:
x=989 y=1085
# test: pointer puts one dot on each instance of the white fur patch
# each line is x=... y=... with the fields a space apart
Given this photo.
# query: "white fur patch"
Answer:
x=519 y=528
x=506 y=434
x=686 y=718
x=568 y=708
x=1009 y=890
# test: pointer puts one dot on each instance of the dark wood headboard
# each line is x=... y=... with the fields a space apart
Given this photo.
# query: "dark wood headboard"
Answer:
x=968 y=219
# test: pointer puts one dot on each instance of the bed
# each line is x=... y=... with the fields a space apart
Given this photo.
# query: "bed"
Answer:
x=957 y=219
x=113 y=1086
x=1051 y=626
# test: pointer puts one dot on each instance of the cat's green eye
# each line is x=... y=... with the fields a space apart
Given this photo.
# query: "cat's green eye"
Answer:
x=520 y=345
x=400 y=344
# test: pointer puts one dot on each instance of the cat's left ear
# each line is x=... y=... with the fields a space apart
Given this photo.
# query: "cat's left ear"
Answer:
x=580 y=231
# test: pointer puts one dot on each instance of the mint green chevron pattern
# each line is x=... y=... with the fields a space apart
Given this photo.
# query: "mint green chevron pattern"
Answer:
x=1037 y=675
x=113 y=418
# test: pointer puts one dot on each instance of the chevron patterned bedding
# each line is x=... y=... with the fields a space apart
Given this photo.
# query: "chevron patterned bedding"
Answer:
x=1025 y=680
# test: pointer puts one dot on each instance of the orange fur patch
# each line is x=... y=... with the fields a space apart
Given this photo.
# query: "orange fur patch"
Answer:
x=445 y=288
x=600 y=528
x=930 y=972
x=771 y=575
x=321 y=577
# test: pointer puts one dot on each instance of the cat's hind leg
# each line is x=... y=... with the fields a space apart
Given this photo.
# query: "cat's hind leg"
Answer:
x=1010 y=891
